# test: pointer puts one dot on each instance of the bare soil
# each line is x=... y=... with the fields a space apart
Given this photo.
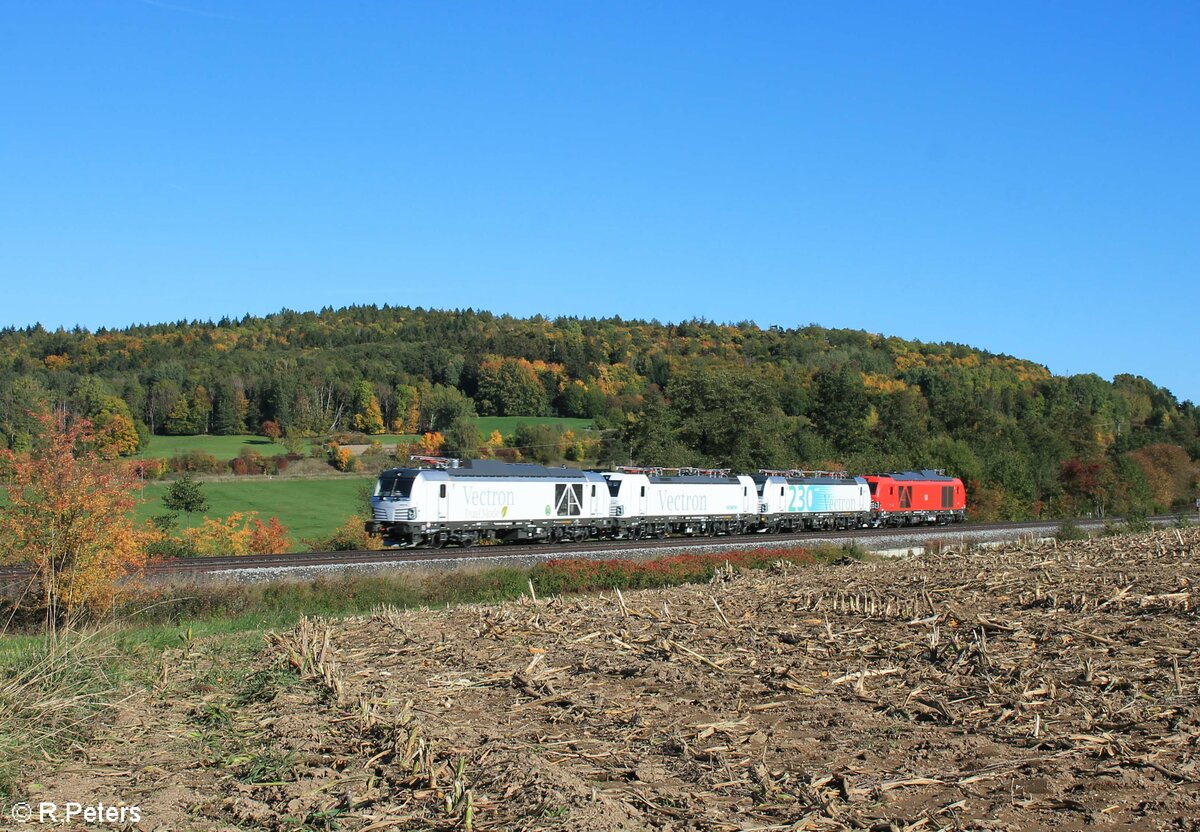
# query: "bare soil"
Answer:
x=1029 y=688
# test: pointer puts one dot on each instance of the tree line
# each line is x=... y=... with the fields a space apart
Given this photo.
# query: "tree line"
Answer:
x=691 y=393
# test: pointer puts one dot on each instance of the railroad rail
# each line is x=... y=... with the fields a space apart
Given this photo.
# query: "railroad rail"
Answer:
x=186 y=566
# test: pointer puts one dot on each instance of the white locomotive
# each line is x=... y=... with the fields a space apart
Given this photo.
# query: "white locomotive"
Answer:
x=478 y=500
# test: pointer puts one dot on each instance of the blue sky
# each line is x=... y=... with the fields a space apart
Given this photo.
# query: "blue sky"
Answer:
x=1022 y=177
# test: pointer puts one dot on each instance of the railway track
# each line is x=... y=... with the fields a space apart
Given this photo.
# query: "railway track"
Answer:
x=186 y=566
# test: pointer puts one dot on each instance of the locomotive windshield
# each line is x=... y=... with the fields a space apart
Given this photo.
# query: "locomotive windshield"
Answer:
x=393 y=485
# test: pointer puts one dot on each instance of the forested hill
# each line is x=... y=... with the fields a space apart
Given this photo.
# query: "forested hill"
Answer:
x=666 y=394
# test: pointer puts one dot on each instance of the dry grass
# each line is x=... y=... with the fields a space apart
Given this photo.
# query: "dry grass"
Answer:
x=51 y=690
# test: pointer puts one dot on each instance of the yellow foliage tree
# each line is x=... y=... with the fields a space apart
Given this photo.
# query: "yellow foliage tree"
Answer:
x=69 y=519
x=115 y=435
x=221 y=536
x=431 y=443
x=241 y=533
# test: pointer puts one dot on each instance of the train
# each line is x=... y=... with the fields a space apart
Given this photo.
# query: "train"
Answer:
x=443 y=501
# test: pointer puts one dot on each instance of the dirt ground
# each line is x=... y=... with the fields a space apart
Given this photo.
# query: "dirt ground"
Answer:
x=1049 y=686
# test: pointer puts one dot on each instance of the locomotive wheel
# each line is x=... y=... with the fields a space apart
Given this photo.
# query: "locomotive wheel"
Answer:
x=579 y=535
x=437 y=541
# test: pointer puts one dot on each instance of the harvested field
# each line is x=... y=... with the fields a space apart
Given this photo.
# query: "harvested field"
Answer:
x=1043 y=687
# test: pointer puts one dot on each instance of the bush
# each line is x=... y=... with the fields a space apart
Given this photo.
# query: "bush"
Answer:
x=199 y=462
x=1136 y=523
x=270 y=538
x=249 y=461
x=343 y=459
x=1069 y=530
x=149 y=469
x=351 y=536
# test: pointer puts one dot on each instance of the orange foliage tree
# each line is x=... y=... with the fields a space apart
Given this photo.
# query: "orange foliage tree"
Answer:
x=241 y=533
x=270 y=538
x=431 y=443
x=69 y=519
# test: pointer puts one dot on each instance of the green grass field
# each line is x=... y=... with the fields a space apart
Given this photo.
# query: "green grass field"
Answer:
x=222 y=447
x=228 y=447
x=507 y=424
x=308 y=507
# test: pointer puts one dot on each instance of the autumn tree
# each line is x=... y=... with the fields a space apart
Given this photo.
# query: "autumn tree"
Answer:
x=270 y=538
x=368 y=417
x=68 y=519
x=1080 y=479
x=511 y=387
x=431 y=443
x=408 y=409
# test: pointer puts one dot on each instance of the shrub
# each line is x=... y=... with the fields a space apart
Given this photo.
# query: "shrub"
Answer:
x=149 y=469
x=249 y=461
x=1069 y=530
x=343 y=459
x=199 y=462
x=351 y=536
x=269 y=538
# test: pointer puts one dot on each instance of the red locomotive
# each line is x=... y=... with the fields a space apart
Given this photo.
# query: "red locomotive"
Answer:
x=910 y=497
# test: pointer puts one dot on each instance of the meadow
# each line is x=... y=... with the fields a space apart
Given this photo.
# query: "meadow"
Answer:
x=228 y=447
x=310 y=508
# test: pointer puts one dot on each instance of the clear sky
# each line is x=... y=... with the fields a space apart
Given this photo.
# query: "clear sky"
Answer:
x=1022 y=177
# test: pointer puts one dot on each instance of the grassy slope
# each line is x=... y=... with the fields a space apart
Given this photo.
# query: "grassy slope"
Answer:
x=227 y=447
x=222 y=447
x=308 y=507
x=507 y=424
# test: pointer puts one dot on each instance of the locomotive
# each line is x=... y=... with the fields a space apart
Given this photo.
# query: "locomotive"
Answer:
x=463 y=503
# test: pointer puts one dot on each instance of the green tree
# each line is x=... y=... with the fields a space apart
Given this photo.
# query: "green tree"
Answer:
x=840 y=408
x=442 y=407
x=728 y=417
x=179 y=421
x=462 y=437
x=185 y=494
x=650 y=438
x=229 y=411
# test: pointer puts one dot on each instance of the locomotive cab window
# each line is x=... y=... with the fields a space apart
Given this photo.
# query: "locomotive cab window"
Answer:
x=593 y=491
x=643 y=491
x=442 y=490
x=394 y=486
